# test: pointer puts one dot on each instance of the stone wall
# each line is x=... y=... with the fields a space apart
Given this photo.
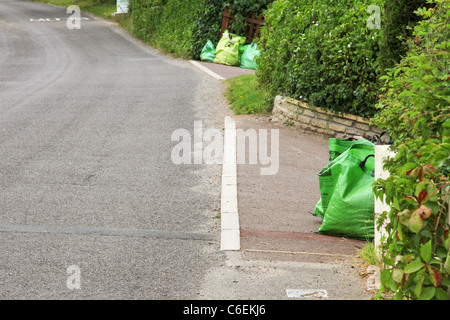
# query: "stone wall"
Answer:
x=297 y=113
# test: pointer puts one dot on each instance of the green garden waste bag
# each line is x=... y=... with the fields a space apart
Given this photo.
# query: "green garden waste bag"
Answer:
x=335 y=148
x=227 y=51
x=208 y=52
x=347 y=195
x=249 y=56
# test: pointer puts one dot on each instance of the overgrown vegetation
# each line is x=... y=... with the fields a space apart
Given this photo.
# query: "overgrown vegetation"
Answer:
x=322 y=53
x=415 y=109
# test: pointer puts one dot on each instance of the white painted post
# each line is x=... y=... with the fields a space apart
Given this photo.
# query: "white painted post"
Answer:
x=381 y=153
x=122 y=6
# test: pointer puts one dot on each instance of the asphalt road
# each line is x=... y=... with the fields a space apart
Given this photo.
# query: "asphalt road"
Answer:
x=91 y=205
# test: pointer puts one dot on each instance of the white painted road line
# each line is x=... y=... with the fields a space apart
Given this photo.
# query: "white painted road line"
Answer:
x=211 y=73
x=230 y=230
x=306 y=293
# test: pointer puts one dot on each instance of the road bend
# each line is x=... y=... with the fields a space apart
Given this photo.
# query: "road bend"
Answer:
x=91 y=204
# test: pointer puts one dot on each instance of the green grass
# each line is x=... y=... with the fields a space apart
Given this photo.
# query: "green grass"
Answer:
x=369 y=255
x=246 y=95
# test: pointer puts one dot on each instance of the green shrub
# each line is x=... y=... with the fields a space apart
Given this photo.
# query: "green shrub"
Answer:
x=166 y=24
x=415 y=109
x=323 y=53
x=398 y=20
x=207 y=26
x=146 y=18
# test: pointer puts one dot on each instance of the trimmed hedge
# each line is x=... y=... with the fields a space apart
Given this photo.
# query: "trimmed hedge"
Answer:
x=398 y=21
x=182 y=27
x=166 y=24
x=322 y=52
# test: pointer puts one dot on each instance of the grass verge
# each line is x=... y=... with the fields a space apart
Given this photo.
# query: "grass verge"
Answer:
x=246 y=95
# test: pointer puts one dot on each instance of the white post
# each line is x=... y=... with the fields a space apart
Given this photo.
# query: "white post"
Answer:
x=381 y=153
x=122 y=6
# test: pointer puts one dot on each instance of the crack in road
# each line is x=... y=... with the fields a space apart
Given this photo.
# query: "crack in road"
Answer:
x=123 y=232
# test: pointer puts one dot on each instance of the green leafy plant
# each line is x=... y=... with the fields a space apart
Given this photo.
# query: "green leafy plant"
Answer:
x=322 y=52
x=399 y=19
x=415 y=108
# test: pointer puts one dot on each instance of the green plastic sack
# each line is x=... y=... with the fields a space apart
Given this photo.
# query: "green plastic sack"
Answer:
x=249 y=56
x=349 y=203
x=208 y=52
x=227 y=51
x=335 y=148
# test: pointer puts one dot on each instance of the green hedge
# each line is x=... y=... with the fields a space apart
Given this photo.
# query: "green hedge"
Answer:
x=182 y=27
x=166 y=24
x=398 y=21
x=322 y=52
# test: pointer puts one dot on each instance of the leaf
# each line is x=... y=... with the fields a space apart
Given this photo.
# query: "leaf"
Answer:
x=436 y=278
x=422 y=195
x=413 y=173
x=447 y=263
x=404 y=216
x=397 y=275
x=413 y=266
x=418 y=287
x=441 y=294
x=428 y=169
x=427 y=293
x=385 y=277
x=425 y=251
x=424 y=211
x=415 y=222
x=411 y=199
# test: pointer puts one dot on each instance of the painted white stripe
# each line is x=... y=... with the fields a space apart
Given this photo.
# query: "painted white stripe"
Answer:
x=306 y=293
x=211 y=73
x=230 y=230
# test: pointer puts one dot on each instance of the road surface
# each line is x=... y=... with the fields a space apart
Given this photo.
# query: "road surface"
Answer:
x=92 y=206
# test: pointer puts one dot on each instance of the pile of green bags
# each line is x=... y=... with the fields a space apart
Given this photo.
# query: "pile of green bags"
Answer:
x=347 y=202
x=231 y=51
